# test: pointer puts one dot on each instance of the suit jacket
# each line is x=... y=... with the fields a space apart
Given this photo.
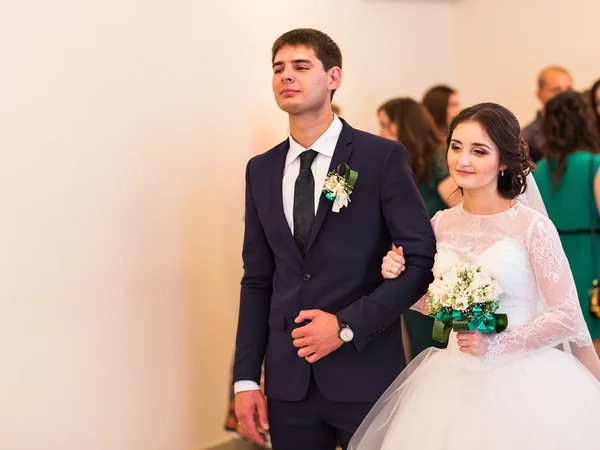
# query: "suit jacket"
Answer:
x=340 y=274
x=532 y=134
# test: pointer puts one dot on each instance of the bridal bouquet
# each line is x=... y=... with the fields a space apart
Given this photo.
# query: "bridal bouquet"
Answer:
x=465 y=298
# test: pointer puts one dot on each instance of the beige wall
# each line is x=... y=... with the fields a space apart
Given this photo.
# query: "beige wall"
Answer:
x=500 y=46
x=126 y=127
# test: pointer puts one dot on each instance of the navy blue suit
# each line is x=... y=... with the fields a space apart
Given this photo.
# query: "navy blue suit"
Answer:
x=340 y=274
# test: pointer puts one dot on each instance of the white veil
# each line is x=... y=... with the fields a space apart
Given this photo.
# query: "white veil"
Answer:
x=532 y=197
x=585 y=354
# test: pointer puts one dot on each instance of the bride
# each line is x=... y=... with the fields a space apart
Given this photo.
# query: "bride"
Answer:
x=534 y=385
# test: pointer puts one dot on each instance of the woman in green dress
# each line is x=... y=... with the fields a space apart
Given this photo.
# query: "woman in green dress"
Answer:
x=569 y=181
x=409 y=122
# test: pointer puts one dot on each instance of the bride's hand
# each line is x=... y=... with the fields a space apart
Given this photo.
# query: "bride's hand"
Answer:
x=393 y=264
x=473 y=342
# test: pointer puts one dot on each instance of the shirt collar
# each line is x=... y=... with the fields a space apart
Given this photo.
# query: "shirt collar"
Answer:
x=325 y=145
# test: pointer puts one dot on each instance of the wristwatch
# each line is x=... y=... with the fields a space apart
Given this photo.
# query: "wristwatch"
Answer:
x=345 y=333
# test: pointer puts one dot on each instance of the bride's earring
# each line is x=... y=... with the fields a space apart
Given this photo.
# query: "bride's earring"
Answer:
x=501 y=172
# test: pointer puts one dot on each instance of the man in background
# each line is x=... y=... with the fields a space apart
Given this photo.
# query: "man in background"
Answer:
x=552 y=80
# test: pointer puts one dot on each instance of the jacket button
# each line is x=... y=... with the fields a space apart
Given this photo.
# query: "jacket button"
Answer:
x=307 y=277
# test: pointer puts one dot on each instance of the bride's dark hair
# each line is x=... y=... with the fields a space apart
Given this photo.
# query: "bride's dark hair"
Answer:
x=503 y=128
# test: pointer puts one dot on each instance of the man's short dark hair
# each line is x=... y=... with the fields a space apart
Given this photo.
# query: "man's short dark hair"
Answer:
x=324 y=47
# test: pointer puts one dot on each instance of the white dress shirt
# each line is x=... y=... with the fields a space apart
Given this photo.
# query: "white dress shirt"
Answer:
x=325 y=147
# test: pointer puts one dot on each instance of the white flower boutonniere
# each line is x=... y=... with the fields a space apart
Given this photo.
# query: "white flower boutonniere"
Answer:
x=338 y=187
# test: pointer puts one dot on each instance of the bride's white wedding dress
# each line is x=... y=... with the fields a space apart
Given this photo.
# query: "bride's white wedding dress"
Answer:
x=525 y=393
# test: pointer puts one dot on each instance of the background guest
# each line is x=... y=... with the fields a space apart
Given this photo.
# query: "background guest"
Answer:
x=551 y=81
x=568 y=176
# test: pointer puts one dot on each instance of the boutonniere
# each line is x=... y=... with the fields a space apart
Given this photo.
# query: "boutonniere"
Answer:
x=337 y=187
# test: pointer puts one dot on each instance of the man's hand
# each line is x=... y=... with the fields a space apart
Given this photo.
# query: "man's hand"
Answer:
x=319 y=338
x=248 y=404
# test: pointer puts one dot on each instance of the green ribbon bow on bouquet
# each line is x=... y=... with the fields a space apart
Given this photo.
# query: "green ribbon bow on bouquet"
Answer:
x=446 y=320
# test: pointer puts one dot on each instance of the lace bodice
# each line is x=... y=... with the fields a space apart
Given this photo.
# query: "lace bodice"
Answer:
x=523 y=251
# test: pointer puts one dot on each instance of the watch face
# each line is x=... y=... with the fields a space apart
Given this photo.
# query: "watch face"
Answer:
x=346 y=334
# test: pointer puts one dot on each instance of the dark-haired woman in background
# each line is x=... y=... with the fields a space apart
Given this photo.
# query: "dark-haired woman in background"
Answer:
x=405 y=120
x=443 y=103
x=595 y=102
x=570 y=186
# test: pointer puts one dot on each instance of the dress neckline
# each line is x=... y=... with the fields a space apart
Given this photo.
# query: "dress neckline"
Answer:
x=501 y=213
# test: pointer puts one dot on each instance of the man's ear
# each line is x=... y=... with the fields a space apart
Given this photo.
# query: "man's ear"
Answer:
x=335 y=78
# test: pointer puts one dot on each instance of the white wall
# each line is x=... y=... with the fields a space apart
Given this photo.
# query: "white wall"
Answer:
x=95 y=146
x=126 y=127
x=500 y=46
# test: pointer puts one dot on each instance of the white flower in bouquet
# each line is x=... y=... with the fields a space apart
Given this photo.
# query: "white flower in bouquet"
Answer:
x=480 y=279
x=478 y=296
x=461 y=287
x=484 y=287
x=461 y=299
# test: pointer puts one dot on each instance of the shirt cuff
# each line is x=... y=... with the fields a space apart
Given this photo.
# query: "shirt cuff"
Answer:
x=245 y=385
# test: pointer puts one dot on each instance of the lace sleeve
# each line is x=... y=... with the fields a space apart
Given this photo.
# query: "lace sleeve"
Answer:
x=435 y=221
x=563 y=320
x=421 y=305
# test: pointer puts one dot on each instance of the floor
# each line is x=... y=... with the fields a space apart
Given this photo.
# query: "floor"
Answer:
x=237 y=444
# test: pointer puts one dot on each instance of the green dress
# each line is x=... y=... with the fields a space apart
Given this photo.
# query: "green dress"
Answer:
x=572 y=208
x=418 y=325
x=428 y=188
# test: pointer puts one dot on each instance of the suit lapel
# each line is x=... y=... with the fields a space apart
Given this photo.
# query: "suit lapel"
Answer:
x=343 y=150
x=277 y=196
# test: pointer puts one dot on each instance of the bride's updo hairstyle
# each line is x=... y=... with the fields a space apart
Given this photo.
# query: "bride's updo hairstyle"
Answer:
x=502 y=127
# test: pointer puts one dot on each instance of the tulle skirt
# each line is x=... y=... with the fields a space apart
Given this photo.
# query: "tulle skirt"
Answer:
x=447 y=400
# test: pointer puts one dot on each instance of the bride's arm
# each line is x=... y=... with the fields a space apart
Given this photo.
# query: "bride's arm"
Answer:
x=563 y=321
x=392 y=266
x=421 y=305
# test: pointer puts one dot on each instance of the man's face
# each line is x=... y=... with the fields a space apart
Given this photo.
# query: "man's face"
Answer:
x=555 y=82
x=300 y=82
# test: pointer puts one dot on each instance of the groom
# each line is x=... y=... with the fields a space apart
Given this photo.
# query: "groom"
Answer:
x=313 y=302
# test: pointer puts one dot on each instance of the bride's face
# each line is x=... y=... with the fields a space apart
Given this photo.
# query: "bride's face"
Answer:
x=473 y=158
